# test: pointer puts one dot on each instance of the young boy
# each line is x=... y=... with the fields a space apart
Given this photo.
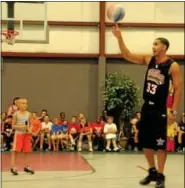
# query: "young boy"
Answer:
x=46 y=131
x=64 y=135
x=73 y=131
x=22 y=137
x=54 y=134
x=110 y=131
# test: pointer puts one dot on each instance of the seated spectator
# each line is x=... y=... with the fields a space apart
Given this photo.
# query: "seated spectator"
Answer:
x=64 y=135
x=43 y=113
x=3 y=119
x=35 y=129
x=98 y=135
x=171 y=132
x=46 y=131
x=104 y=116
x=133 y=140
x=80 y=116
x=14 y=107
x=73 y=131
x=62 y=118
x=181 y=133
x=110 y=131
x=55 y=129
x=8 y=133
x=85 y=132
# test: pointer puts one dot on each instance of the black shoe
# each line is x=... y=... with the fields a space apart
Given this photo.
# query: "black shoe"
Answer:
x=29 y=170
x=160 y=182
x=14 y=171
x=152 y=176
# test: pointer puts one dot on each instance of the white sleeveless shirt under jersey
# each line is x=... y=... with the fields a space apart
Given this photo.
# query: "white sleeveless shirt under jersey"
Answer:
x=21 y=119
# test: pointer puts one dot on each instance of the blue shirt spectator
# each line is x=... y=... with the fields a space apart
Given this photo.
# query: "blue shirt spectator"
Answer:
x=55 y=129
x=64 y=129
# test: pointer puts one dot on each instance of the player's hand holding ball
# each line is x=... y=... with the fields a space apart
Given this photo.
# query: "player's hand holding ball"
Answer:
x=116 y=13
x=116 y=31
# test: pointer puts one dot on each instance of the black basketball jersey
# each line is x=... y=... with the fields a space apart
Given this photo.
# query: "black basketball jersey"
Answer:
x=157 y=82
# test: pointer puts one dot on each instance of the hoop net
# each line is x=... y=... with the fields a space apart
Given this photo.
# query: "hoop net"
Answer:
x=10 y=36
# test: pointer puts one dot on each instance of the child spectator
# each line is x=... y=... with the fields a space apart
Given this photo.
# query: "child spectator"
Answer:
x=64 y=135
x=98 y=135
x=45 y=131
x=55 y=128
x=110 y=131
x=14 y=107
x=62 y=118
x=8 y=132
x=3 y=119
x=181 y=135
x=35 y=128
x=73 y=131
x=171 y=132
x=85 y=131
x=42 y=114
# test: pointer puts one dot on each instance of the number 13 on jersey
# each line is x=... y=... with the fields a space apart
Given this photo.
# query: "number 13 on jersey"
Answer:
x=151 y=88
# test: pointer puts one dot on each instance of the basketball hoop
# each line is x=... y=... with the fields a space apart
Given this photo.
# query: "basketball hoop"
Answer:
x=10 y=36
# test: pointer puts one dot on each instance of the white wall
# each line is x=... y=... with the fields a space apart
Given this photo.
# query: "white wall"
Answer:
x=155 y=12
x=86 y=39
x=140 y=40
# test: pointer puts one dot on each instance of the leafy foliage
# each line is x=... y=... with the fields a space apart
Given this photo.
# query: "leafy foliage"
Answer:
x=121 y=92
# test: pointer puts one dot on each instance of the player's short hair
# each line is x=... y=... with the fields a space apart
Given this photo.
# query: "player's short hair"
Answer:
x=164 y=41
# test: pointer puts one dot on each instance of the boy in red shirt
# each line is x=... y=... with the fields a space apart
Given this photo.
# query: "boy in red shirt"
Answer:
x=98 y=135
x=73 y=130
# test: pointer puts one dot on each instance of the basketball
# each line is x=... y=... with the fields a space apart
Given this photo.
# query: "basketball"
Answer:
x=115 y=13
x=86 y=129
x=73 y=131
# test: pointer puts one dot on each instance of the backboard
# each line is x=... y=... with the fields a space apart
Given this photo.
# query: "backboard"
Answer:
x=28 y=18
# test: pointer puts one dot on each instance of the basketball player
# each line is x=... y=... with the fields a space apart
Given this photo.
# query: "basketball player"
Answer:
x=22 y=137
x=153 y=123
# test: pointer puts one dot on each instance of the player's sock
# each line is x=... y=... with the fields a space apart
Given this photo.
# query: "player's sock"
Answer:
x=152 y=176
x=28 y=169
x=14 y=171
x=160 y=181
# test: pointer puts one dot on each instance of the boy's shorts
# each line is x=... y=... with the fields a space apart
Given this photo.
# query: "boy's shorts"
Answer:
x=22 y=142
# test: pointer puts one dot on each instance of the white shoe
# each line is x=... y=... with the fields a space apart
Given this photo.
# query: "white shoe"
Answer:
x=116 y=149
x=79 y=149
x=91 y=150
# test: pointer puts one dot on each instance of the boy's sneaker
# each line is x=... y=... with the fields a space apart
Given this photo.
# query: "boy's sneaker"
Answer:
x=108 y=150
x=116 y=149
x=28 y=169
x=14 y=171
x=152 y=176
x=160 y=181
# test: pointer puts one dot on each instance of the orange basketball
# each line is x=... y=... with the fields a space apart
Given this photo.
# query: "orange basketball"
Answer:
x=86 y=129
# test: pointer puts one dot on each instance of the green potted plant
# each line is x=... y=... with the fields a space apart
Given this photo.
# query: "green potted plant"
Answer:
x=121 y=96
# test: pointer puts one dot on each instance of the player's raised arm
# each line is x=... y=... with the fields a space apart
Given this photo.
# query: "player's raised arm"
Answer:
x=129 y=56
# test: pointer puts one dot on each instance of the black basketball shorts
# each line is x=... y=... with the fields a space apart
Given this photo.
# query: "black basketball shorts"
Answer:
x=153 y=128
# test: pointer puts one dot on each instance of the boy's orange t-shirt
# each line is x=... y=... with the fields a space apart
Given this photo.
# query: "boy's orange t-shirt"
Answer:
x=36 y=125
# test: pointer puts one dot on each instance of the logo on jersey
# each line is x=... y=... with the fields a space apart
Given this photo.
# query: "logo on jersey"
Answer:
x=155 y=76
